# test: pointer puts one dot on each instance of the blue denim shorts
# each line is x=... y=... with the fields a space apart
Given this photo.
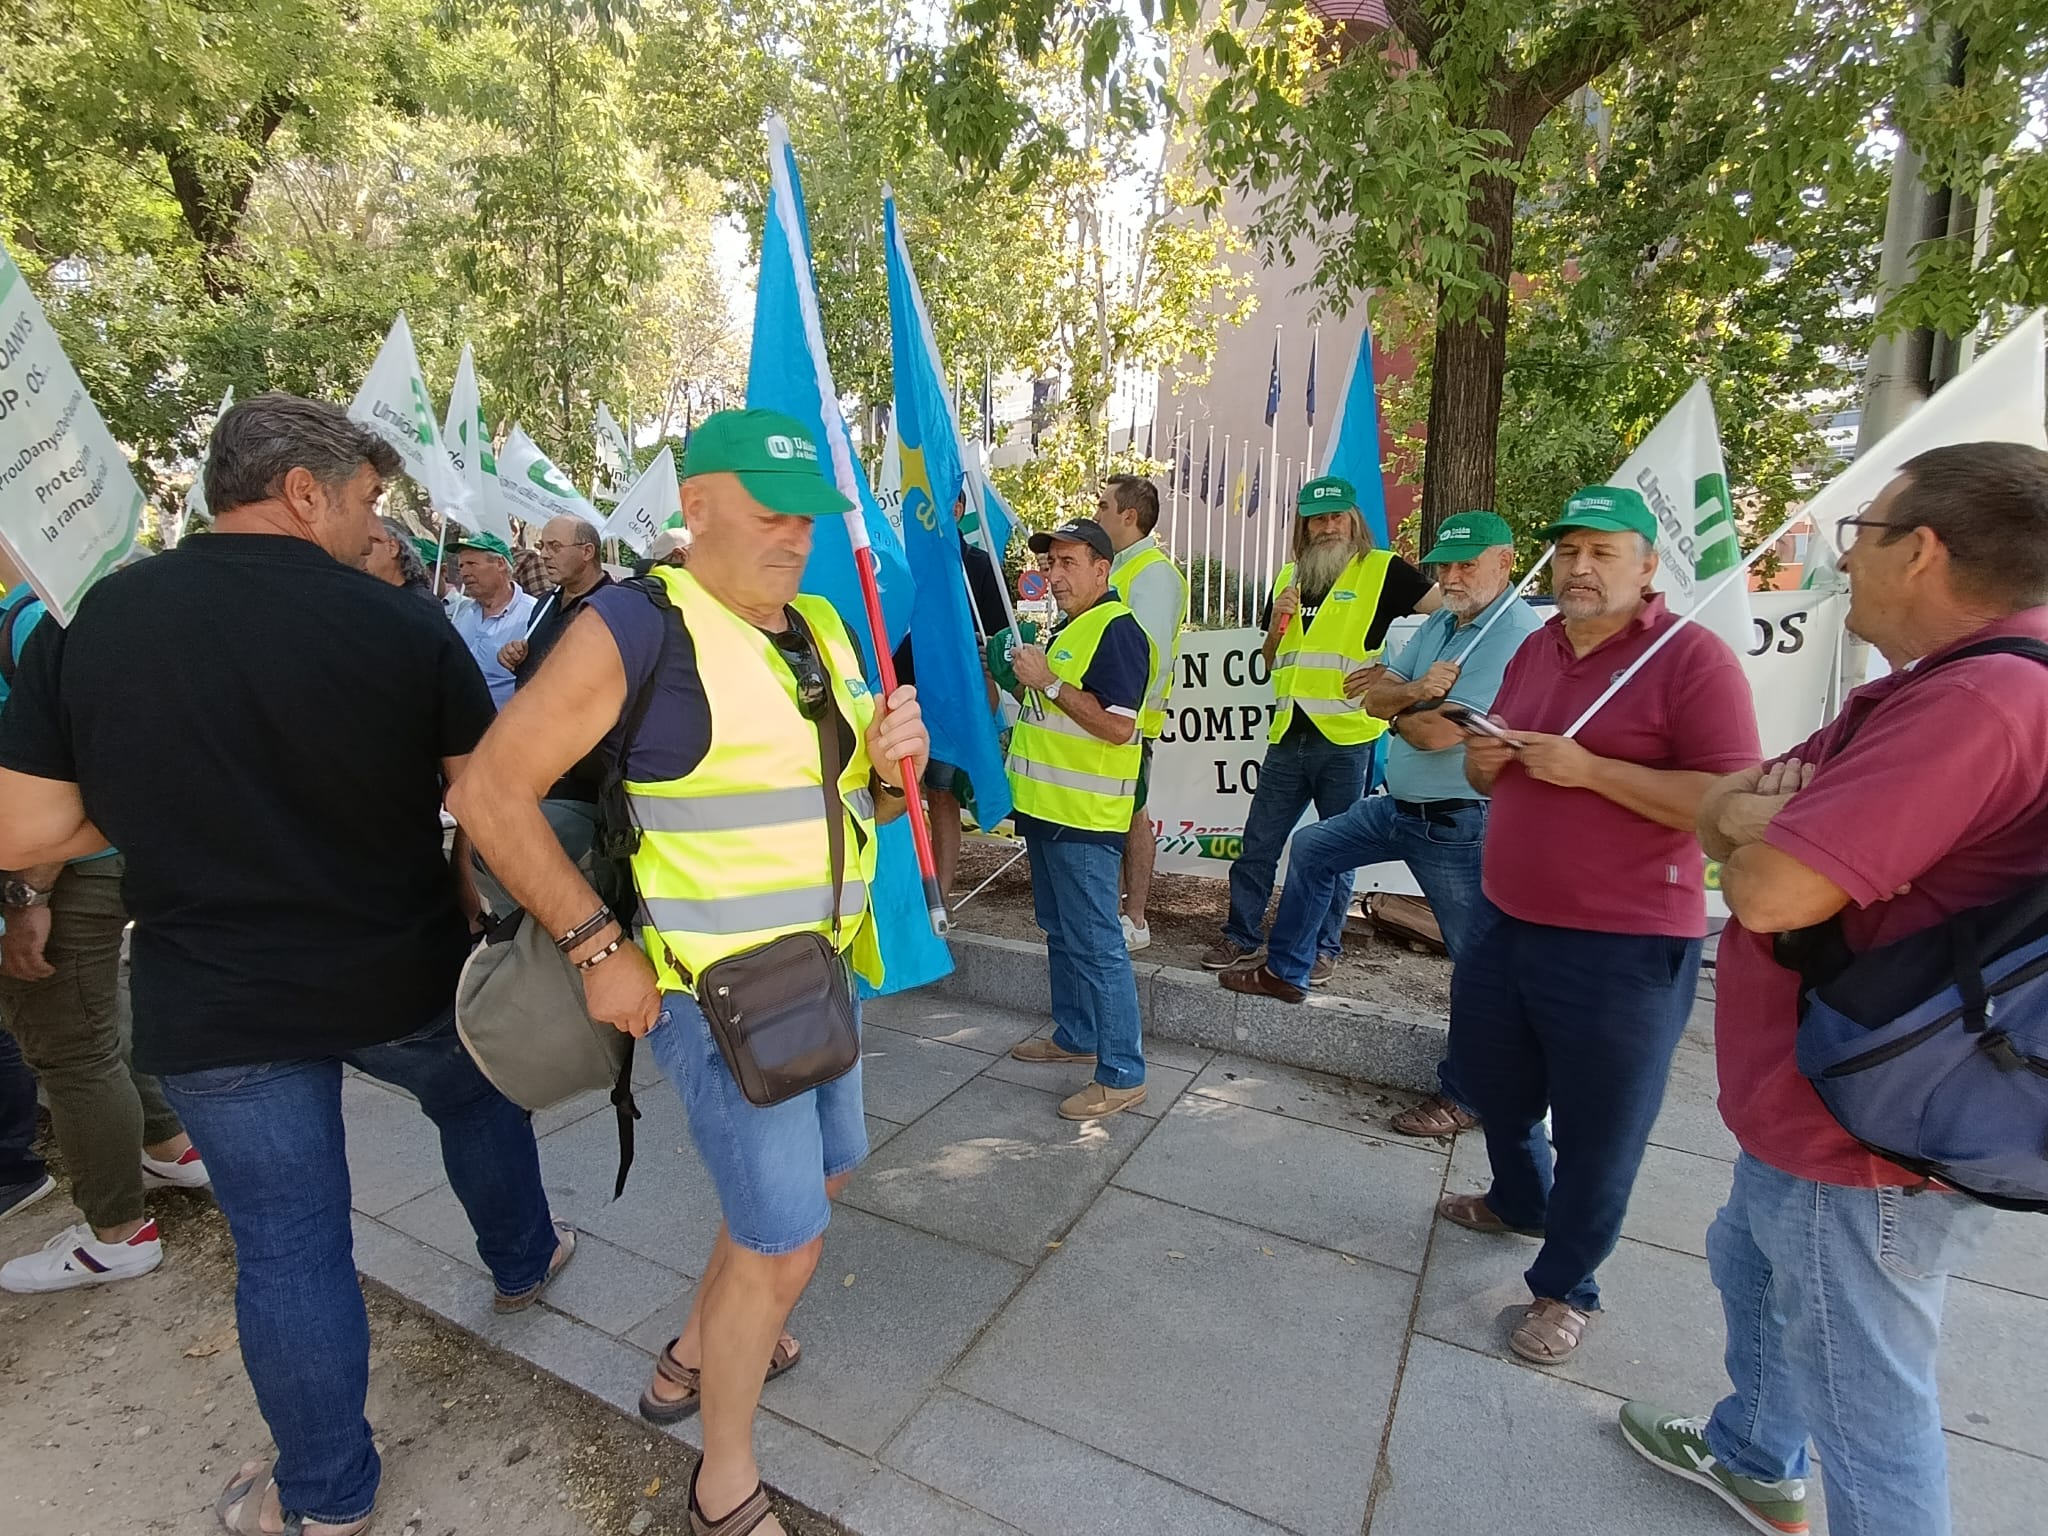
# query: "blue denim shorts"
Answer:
x=769 y=1165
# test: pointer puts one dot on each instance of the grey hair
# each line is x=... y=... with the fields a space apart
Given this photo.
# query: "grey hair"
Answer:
x=260 y=441
x=1988 y=504
x=411 y=568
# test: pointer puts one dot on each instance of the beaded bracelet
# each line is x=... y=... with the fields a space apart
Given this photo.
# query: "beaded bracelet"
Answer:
x=593 y=961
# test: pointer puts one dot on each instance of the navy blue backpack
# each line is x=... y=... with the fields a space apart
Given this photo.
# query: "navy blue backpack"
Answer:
x=1933 y=1051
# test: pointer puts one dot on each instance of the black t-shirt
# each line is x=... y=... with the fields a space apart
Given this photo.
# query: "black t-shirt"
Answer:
x=1404 y=587
x=585 y=781
x=259 y=729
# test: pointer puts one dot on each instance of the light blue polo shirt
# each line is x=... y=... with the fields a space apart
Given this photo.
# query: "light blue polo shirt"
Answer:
x=486 y=636
x=1413 y=774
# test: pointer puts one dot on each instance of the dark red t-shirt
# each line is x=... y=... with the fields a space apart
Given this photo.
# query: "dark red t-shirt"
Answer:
x=1944 y=787
x=1571 y=858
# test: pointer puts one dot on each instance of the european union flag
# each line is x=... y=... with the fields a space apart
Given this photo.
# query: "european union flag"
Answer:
x=1205 y=477
x=1315 y=343
x=1187 y=460
x=949 y=681
x=1273 y=386
x=788 y=372
x=1251 y=507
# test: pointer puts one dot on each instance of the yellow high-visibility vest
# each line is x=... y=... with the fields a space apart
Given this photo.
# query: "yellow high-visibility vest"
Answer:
x=1152 y=718
x=1061 y=772
x=1313 y=659
x=735 y=853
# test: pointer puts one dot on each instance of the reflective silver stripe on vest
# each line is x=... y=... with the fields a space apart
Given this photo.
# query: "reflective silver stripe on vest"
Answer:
x=751 y=914
x=1072 y=778
x=1321 y=659
x=738 y=812
x=1326 y=706
x=1060 y=723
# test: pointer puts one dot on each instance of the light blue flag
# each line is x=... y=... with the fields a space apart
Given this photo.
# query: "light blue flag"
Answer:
x=949 y=680
x=1354 y=451
x=788 y=372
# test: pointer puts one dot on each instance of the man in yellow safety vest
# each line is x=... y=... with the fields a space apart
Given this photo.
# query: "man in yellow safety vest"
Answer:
x=1074 y=765
x=724 y=776
x=1325 y=627
x=1156 y=592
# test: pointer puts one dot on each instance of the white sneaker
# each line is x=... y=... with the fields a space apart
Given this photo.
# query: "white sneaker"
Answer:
x=75 y=1257
x=186 y=1172
x=1135 y=938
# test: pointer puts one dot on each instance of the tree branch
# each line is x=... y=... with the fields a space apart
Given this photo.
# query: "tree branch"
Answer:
x=1586 y=50
x=1411 y=20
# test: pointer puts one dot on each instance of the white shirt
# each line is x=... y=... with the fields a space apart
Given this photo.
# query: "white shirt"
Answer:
x=487 y=634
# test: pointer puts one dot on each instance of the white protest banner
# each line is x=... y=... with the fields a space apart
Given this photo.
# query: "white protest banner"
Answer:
x=534 y=488
x=648 y=504
x=69 y=506
x=468 y=442
x=195 y=494
x=1206 y=764
x=613 y=456
x=393 y=404
x=1680 y=472
x=2001 y=397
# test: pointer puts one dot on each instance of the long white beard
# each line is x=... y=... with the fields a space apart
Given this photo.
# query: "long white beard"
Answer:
x=1321 y=564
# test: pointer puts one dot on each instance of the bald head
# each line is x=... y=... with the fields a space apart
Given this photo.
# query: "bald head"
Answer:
x=569 y=551
x=749 y=558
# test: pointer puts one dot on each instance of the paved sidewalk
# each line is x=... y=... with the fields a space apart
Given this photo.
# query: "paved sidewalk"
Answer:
x=1229 y=1312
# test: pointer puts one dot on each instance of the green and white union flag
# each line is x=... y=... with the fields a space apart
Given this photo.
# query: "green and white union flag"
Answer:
x=534 y=488
x=393 y=404
x=468 y=442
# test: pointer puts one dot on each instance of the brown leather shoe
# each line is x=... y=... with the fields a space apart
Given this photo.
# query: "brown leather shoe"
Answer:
x=1095 y=1101
x=1226 y=956
x=1041 y=1048
x=1261 y=983
x=1320 y=973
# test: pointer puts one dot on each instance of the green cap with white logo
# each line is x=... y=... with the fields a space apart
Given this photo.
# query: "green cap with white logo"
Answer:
x=1328 y=494
x=775 y=457
x=1607 y=509
x=489 y=543
x=1463 y=536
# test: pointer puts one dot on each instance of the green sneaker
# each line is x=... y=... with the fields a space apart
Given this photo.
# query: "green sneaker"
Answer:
x=1679 y=1446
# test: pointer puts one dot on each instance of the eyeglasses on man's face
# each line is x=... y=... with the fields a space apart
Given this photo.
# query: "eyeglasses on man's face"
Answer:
x=1847 y=530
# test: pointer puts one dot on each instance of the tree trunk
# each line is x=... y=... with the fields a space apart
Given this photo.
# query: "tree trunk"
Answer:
x=1467 y=373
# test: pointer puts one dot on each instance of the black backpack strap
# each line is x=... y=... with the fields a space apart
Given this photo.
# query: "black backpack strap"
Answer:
x=10 y=621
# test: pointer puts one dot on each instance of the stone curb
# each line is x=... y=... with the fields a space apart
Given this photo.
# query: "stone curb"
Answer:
x=1372 y=1041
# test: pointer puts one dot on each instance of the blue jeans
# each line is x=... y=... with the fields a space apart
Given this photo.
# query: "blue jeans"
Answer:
x=1833 y=1298
x=769 y=1165
x=19 y=1163
x=1294 y=776
x=271 y=1134
x=1584 y=1025
x=1094 y=992
x=1441 y=851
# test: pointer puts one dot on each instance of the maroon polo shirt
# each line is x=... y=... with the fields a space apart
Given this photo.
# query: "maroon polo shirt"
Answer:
x=1570 y=858
x=1944 y=788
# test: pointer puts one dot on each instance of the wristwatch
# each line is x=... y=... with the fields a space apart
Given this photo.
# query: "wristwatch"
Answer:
x=1052 y=689
x=16 y=892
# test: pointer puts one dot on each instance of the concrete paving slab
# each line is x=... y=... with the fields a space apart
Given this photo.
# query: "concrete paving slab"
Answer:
x=1316 y=1097
x=1660 y=1336
x=394 y=1150
x=1552 y=1456
x=1994 y=1359
x=902 y=1075
x=1995 y=1492
x=951 y=1021
x=887 y=1314
x=1689 y=1122
x=570 y=1110
x=996 y=1168
x=662 y=1321
x=1236 y=1362
x=2013 y=1255
x=1303 y=1181
x=669 y=1212
x=437 y=1219
x=879 y=1131
x=1059 y=1078
x=890 y=1504
x=1162 y=1052
x=1046 y=1484
x=1675 y=1198
x=608 y=1287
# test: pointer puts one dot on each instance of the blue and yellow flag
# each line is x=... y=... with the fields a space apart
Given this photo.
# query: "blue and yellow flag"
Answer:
x=949 y=682
x=788 y=372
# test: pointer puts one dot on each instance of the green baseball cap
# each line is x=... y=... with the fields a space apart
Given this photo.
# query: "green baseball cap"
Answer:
x=1328 y=494
x=427 y=549
x=1607 y=509
x=489 y=543
x=1463 y=536
x=775 y=457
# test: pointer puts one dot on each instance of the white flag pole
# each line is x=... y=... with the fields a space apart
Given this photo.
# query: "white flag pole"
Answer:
x=1741 y=572
x=1208 y=528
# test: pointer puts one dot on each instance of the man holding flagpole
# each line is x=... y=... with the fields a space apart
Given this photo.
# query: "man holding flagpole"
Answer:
x=1578 y=977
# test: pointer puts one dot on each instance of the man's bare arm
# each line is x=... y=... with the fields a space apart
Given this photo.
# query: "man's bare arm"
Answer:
x=43 y=821
x=1427 y=731
x=546 y=728
x=1769 y=891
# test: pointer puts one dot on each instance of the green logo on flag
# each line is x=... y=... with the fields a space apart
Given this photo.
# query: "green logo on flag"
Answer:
x=549 y=479
x=422 y=414
x=1715 y=541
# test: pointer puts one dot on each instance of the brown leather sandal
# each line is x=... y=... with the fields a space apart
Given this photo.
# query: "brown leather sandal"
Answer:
x=1434 y=1116
x=1549 y=1331
x=1473 y=1213
x=755 y=1514
x=662 y=1410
